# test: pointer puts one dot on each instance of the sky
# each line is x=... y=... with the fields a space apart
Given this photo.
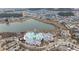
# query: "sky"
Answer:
x=38 y=3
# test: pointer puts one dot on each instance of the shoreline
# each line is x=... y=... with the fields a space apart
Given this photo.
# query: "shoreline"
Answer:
x=13 y=20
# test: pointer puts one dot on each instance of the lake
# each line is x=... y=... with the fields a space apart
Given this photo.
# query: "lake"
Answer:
x=30 y=24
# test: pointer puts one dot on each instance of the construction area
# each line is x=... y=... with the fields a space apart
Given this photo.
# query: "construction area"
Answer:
x=36 y=32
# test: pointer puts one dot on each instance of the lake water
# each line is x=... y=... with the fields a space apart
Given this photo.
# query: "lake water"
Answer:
x=26 y=25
